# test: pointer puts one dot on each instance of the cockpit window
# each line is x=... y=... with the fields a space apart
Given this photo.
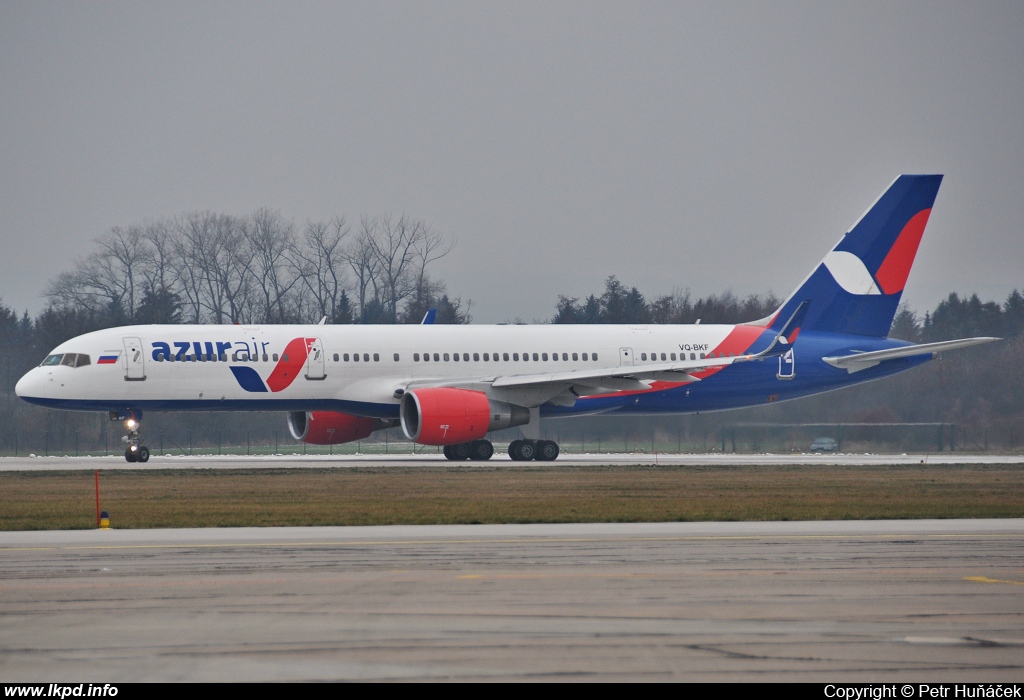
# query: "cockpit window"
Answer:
x=68 y=359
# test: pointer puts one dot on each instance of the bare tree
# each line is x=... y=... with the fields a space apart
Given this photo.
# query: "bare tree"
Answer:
x=107 y=279
x=401 y=251
x=212 y=263
x=318 y=263
x=269 y=240
x=363 y=262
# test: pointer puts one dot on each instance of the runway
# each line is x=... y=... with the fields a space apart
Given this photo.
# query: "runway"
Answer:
x=894 y=601
x=299 y=461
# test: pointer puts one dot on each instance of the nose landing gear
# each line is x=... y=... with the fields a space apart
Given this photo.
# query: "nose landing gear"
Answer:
x=136 y=451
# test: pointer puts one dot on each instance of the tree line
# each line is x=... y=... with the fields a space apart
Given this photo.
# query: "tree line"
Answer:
x=214 y=268
x=954 y=317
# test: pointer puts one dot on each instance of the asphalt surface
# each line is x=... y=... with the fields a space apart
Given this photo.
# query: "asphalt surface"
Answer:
x=430 y=459
x=875 y=601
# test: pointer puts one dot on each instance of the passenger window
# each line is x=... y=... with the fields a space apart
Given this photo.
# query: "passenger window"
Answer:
x=355 y=357
x=366 y=357
x=376 y=357
x=476 y=357
x=544 y=356
x=437 y=358
x=465 y=357
x=396 y=357
x=584 y=357
x=535 y=357
x=284 y=357
x=446 y=357
x=565 y=357
x=515 y=357
x=336 y=358
x=415 y=357
x=575 y=357
x=643 y=356
x=593 y=356
x=266 y=358
x=505 y=357
x=487 y=357
x=662 y=357
x=455 y=357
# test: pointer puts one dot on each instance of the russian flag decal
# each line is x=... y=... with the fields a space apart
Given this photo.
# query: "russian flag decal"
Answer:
x=108 y=359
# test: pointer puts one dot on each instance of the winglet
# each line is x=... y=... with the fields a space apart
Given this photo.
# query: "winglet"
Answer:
x=428 y=318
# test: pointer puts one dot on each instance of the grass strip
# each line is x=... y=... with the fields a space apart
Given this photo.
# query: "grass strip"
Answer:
x=475 y=494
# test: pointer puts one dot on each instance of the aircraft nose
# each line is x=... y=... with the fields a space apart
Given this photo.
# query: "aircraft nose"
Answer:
x=28 y=385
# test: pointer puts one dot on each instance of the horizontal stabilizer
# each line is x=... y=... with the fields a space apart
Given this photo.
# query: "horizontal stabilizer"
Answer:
x=862 y=360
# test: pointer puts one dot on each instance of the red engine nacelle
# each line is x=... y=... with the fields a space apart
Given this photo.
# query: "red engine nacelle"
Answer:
x=448 y=416
x=330 y=428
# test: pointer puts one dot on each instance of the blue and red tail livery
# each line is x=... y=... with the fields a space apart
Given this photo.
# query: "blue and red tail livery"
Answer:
x=856 y=289
x=451 y=385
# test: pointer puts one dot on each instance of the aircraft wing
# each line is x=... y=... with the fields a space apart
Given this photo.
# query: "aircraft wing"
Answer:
x=855 y=362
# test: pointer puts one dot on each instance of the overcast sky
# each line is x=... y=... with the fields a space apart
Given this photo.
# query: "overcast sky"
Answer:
x=715 y=146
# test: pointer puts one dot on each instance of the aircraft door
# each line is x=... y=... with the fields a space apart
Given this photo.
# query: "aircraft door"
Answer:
x=625 y=357
x=134 y=360
x=316 y=368
x=787 y=365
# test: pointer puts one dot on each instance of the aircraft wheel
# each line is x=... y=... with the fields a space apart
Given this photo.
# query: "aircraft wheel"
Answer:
x=462 y=450
x=481 y=450
x=513 y=450
x=527 y=450
x=448 y=452
x=143 y=454
x=130 y=456
x=547 y=451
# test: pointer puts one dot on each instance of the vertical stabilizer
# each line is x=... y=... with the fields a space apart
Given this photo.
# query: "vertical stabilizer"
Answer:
x=857 y=287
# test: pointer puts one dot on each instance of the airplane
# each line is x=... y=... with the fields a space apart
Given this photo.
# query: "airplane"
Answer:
x=451 y=385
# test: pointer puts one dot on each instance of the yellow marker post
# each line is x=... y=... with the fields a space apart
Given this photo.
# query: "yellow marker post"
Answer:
x=104 y=520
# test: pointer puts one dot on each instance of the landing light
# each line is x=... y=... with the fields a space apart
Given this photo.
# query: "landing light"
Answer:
x=131 y=424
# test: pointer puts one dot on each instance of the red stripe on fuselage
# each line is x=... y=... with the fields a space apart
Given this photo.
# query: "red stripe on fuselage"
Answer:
x=738 y=342
x=288 y=367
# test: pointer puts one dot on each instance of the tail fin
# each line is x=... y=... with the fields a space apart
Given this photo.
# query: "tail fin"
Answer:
x=857 y=287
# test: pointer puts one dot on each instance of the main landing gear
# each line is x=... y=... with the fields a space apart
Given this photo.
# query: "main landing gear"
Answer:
x=540 y=450
x=136 y=451
x=479 y=450
x=518 y=450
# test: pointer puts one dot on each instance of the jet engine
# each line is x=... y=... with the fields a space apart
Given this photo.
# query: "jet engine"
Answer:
x=330 y=428
x=448 y=416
